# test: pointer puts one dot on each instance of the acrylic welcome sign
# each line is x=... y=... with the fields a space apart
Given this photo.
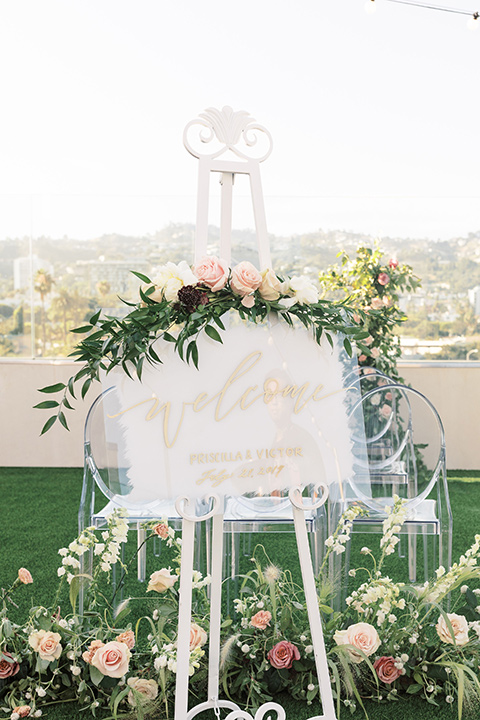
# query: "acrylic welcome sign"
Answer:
x=264 y=412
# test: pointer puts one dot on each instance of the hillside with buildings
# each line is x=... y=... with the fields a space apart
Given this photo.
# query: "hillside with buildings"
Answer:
x=81 y=275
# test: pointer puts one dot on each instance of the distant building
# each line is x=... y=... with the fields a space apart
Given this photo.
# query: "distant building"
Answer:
x=22 y=269
x=474 y=299
x=115 y=272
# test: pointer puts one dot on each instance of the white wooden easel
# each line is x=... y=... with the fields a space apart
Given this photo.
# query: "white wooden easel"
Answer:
x=235 y=133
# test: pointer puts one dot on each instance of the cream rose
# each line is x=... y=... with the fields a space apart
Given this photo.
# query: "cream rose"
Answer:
x=304 y=292
x=147 y=688
x=112 y=659
x=161 y=580
x=362 y=636
x=47 y=644
x=377 y=303
x=169 y=280
x=198 y=636
x=212 y=272
x=459 y=626
x=270 y=287
x=245 y=279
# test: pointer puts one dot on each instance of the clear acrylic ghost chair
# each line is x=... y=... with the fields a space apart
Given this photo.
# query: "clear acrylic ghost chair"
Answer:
x=106 y=469
x=269 y=508
x=418 y=449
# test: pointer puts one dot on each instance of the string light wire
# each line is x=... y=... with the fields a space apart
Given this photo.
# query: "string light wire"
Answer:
x=428 y=6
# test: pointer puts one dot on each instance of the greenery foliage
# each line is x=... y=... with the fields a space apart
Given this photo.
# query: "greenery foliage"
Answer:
x=129 y=342
x=374 y=287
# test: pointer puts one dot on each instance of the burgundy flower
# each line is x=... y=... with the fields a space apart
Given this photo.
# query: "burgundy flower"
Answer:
x=191 y=297
x=8 y=667
x=283 y=654
x=386 y=670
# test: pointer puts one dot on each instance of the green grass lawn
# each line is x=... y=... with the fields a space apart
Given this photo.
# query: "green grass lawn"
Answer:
x=39 y=515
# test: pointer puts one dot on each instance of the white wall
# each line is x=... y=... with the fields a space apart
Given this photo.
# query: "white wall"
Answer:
x=453 y=387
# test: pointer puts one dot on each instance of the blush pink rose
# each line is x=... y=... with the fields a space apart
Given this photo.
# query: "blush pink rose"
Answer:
x=47 y=644
x=261 y=619
x=383 y=278
x=24 y=576
x=377 y=303
x=362 y=358
x=385 y=411
x=283 y=654
x=245 y=279
x=161 y=530
x=212 y=272
x=248 y=301
x=198 y=636
x=127 y=637
x=362 y=636
x=8 y=666
x=112 y=659
x=386 y=670
x=375 y=352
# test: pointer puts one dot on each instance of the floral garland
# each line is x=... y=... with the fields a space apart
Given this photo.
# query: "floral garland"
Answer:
x=182 y=302
x=392 y=640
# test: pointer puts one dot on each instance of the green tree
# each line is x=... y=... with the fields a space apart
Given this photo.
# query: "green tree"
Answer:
x=43 y=284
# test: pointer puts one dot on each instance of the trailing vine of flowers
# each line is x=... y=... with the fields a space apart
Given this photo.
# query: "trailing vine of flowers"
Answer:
x=374 y=287
x=182 y=302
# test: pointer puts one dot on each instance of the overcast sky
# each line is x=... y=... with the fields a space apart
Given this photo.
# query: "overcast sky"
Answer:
x=375 y=118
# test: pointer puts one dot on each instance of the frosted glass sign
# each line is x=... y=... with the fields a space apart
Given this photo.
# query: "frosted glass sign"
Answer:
x=265 y=411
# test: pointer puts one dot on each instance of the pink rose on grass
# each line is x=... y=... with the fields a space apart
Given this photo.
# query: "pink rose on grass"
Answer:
x=212 y=272
x=245 y=279
x=261 y=619
x=47 y=644
x=386 y=670
x=283 y=654
x=112 y=659
x=22 y=711
x=383 y=278
x=270 y=287
x=161 y=530
x=459 y=626
x=8 y=666
x=362 y=636
x=161 y=580
x=198 y=636
x=24 y=576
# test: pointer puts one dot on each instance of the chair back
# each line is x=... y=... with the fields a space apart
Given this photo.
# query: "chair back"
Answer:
x=402 y=449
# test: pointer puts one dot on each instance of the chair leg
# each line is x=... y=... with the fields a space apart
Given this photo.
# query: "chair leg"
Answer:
x=141 y=554
x=412 y=555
